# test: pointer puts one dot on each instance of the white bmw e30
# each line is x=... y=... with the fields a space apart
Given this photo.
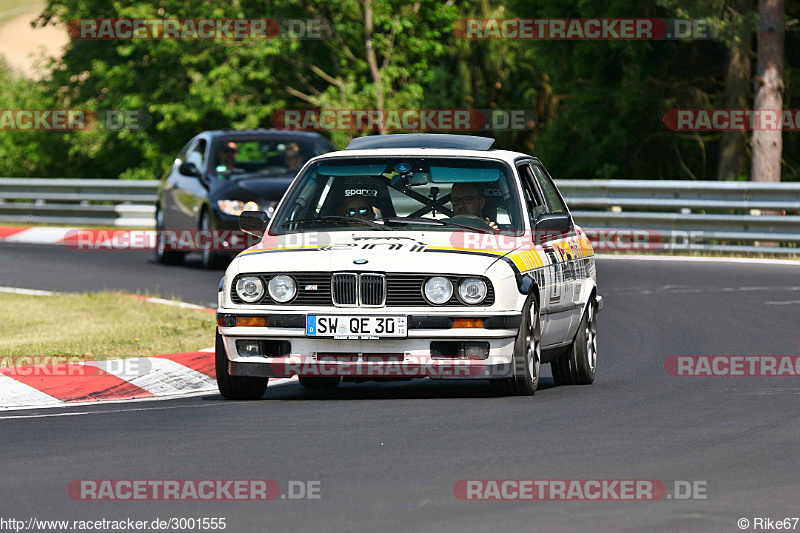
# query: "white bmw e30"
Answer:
x=407 y=256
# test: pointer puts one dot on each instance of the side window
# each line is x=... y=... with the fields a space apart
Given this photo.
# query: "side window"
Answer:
x=197 y=154
x=551 y=195
x=533 y=202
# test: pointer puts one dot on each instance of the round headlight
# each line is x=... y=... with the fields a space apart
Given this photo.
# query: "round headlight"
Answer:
x=472 y=290
x=250 y=206
x=438 y=290
x=250 y=288
x=282 y=288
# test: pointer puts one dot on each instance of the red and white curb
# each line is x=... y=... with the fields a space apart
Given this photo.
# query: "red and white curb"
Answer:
x=109 y=238
x=135 y=379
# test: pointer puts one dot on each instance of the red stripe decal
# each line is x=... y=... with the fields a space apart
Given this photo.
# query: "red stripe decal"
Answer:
x=76 y=383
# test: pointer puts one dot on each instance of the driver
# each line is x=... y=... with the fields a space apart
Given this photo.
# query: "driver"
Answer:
x=468 y=200
x=226 y=158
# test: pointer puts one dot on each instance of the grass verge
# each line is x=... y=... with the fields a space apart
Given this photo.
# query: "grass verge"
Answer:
x=99 y=326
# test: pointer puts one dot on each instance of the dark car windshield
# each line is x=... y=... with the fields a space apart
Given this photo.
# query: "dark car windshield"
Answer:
x=236 y=158
x=408 y=193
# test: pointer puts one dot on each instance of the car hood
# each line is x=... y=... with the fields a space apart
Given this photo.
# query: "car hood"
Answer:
x=268 y=188
x=383 y=251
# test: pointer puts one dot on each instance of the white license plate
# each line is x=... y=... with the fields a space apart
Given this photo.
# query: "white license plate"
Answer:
x=356 y=327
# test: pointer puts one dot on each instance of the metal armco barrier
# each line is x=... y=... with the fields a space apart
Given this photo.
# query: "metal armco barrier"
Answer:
x=687 y=215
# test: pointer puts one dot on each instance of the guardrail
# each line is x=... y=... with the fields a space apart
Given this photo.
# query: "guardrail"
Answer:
x=711 y=216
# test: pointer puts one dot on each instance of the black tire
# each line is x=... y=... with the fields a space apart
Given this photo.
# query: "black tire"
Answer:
x=579 y=365
x=527 y=355
x=313 y=382
x=164 y=256
x=211 y=259
x=236 y=387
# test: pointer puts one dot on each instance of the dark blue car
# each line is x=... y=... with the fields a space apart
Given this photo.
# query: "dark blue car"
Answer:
x=219 y=174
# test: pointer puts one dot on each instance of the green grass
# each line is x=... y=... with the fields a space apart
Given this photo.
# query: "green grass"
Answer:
x=99 y=325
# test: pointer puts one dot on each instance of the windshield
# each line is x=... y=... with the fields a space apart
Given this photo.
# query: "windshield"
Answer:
x=236 y=158
x=409 y=193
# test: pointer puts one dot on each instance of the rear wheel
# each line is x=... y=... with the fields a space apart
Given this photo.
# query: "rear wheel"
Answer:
x=579 y=365
x=164 y=256
x=236 y=387
x=327 y=382
x=527 y=355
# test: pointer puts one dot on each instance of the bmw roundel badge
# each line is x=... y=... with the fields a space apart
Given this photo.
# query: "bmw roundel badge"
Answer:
x=360 y=262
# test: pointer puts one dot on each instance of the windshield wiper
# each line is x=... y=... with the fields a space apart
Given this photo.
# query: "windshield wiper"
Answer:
x=336 y=218
x=434 y=221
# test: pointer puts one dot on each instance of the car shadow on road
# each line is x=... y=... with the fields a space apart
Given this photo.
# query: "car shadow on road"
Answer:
x=416 y=389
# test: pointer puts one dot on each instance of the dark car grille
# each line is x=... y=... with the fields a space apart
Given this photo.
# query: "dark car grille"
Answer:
x=374 y=289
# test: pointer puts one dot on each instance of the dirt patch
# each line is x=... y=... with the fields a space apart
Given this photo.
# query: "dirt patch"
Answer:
x=23 y=46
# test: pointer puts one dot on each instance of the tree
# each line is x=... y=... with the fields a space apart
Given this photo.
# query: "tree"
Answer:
x=768 y=143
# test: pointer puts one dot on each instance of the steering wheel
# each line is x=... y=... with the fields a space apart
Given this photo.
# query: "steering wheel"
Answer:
x=472 y=221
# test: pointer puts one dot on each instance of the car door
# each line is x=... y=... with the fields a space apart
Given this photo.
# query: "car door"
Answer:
x=566 y=250
x=189 y=192
x=555 y=291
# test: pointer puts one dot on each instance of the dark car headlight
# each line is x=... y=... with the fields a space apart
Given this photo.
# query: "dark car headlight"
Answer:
x=236 y=207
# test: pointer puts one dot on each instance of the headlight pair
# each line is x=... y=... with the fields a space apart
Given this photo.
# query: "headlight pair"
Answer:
x=438 y=290
x=281 y=288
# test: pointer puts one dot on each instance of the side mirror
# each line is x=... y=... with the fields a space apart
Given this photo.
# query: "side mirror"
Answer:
x=550 y=226
x=254 y=223
x=189 y=169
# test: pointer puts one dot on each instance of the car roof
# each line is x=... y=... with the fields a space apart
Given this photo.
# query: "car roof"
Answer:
x=500 y=155
x=272 y=132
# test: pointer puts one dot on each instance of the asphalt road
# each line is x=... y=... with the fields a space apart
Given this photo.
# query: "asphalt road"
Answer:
x=387 y=455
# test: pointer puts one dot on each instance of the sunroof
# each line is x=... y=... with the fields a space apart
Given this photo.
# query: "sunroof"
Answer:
x=421 y=140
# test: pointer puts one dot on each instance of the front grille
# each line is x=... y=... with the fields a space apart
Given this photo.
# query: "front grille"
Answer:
x=345 y=290
x=375 y=290
x=372 y=290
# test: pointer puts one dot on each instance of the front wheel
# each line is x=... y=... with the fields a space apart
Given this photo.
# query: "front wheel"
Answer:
x=236 y=387
x=527 y=358
x=579 y=365
x=164 y=256
x=211 y=259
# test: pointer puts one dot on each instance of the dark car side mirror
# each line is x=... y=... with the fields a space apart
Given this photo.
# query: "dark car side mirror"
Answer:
x=551 y=226
x=189 y=169
x=254 y=223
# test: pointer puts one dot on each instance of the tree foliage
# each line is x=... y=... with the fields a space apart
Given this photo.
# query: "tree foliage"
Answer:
x=600 y=104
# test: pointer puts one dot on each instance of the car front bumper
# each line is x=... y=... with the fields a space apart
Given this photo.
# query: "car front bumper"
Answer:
x=417 y=355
